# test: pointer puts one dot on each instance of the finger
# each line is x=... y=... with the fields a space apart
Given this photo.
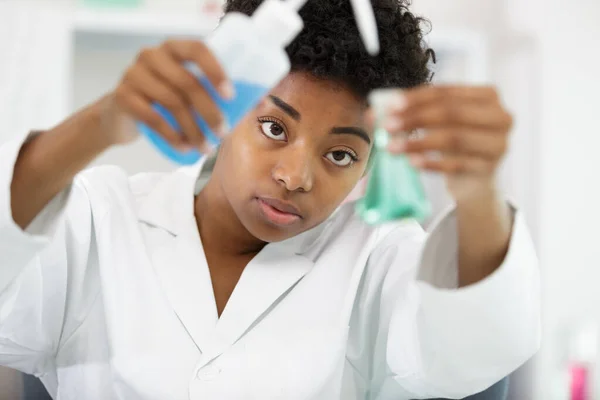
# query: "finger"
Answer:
x=151 y=87
x=456 y=141
x=172 y=72
x=139 y=108
x=452 y=114
x=199 y=54
x=452 y=164
x=426 y=94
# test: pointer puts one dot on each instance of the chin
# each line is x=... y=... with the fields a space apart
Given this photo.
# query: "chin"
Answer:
x=270 y=234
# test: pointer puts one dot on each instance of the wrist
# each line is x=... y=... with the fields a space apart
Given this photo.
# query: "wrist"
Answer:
x=480 y=192
x=485 y=223
x=487 y=203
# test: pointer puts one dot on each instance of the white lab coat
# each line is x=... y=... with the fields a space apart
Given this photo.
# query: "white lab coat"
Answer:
x=107 y=295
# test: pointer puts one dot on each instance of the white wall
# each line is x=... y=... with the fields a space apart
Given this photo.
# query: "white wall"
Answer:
x=570 y=184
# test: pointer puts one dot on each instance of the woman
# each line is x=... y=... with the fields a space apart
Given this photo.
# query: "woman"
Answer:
x=258 y=285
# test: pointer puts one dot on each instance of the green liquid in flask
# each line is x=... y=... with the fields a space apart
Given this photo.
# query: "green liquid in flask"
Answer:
x=394 y=189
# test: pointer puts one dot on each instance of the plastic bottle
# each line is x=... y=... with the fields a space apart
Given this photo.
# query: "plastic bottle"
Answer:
x=252 y=52
x=394 y=188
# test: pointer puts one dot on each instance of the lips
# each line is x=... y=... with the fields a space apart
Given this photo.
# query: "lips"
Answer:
x=281 y=206
x=279 y=212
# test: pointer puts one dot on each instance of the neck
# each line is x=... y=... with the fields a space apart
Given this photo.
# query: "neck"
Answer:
x=220 y=229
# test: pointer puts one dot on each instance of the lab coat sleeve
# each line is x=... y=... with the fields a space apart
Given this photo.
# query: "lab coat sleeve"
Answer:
x=440 y=341
x=35 y=279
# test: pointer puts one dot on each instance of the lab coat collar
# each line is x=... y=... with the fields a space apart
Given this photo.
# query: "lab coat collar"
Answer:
x=184 y=275
x=170 y=206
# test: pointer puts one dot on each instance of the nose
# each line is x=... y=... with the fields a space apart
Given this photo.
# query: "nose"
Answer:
x=294 y=171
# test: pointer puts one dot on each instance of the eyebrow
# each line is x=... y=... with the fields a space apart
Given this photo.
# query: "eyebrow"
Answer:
x=289 y=110
x=345 y=130
x=352 y=130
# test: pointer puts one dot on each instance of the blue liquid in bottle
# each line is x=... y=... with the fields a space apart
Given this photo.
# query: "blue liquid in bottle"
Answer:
x=247 y=95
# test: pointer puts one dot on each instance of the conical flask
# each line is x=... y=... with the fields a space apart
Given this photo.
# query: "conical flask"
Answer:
x=394 y=188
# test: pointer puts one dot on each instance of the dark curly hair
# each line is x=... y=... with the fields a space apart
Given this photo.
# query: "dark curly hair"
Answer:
x=330 y=46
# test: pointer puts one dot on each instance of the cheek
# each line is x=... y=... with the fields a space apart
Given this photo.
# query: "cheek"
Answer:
x=242 y=151
x=335 y=188
x=244 y=162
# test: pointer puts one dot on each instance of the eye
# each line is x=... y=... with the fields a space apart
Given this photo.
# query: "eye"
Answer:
x=342 y=158
x=272 y=130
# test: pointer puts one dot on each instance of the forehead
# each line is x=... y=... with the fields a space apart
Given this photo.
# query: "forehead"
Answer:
x=321 y=99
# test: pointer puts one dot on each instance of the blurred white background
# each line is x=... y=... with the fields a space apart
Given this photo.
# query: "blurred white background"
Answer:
x=58 y=55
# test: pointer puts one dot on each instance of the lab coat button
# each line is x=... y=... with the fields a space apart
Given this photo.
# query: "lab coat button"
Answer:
x=208 y=373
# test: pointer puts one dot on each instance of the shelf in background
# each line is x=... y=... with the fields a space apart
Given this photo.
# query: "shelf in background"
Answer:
x=159 y=23
x=141 y=22
x=127 y=30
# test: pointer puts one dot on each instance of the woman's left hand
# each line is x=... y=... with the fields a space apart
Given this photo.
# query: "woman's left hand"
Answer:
x=465 y=134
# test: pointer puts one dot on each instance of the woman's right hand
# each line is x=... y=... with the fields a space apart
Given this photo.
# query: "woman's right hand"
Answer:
x=158 y=76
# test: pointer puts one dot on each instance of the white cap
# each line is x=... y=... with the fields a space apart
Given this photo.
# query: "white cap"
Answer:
x=367 y=24
x=278 y=20
x=381 y=99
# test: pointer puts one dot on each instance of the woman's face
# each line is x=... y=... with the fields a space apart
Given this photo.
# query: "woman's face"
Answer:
x=291 y=162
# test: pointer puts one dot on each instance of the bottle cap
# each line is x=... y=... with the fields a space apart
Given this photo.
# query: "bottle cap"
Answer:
x=278 y=21
x=367 y=24
x=381 y=99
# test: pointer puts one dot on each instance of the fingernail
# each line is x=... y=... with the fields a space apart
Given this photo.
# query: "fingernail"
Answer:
x=394 y=125
x=222 y=129
x=227 y=90
x=416 y=160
